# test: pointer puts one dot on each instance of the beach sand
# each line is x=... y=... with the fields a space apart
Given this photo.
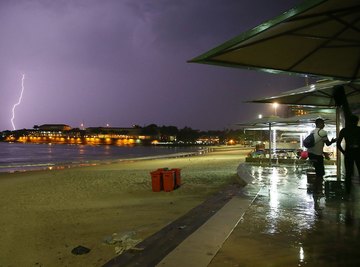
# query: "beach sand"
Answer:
x=45 y=214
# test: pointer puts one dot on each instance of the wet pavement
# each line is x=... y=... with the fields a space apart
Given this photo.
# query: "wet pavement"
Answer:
x=287 y=224
x=277 y=219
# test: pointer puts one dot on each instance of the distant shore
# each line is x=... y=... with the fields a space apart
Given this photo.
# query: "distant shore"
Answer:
x=45 y=214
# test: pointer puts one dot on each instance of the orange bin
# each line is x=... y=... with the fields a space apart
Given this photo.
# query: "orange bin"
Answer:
x=177 y=177
x=156 y=181
x=168 y=180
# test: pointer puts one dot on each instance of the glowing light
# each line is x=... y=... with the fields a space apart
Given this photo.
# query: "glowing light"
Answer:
x=301 y=255
x=275 y=105
x=231 y=142
x=19 y=102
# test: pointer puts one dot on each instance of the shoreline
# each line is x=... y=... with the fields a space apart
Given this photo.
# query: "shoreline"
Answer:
x=68 y=165
x=45 y=214
x=92 y=162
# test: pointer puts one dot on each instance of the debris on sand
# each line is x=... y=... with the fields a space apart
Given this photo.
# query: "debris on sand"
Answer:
x=124 y=241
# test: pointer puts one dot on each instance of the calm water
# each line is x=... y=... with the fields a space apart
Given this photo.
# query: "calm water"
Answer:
x=20 y=157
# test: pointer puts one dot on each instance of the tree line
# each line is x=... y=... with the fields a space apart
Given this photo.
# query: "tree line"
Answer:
x=189 y=135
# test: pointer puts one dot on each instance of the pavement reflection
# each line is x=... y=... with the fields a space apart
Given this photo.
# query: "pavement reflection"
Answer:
x=288 y=224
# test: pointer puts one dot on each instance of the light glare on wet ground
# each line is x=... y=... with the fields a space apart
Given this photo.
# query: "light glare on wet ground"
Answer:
x=287 y=225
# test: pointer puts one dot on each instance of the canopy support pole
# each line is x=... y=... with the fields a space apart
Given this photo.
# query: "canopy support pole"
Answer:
x=270 y=144
x=338 y=153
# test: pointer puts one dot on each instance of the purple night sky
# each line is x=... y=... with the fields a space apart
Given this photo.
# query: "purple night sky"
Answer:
x=123 y=62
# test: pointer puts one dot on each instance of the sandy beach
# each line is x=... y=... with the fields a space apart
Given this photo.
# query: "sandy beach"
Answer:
x=45 y=214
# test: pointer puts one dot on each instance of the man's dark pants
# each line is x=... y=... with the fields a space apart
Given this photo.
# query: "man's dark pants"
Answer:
x=318 y=163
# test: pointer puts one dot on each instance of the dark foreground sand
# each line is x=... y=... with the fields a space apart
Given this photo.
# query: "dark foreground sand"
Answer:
x=45 y=214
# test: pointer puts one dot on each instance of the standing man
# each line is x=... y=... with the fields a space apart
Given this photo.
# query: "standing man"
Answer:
x=316 y=152
x=351 y=134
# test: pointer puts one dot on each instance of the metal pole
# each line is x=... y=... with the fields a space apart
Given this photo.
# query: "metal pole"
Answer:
x=269 y=143
x=338 y=153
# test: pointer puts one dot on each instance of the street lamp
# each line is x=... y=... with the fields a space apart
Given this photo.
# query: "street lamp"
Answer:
x=260 y=116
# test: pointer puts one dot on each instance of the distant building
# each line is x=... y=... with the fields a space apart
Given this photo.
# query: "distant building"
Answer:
x=208 y=140
x=291 y=111
x=62 y=133
x=114 y=131
x=54 y=127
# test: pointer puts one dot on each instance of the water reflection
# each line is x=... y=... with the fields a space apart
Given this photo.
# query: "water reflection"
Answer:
x=31 y=156
x=326 y=226
x=273 y=202
x=284 y=197
x=288 y=225
x=301 y=255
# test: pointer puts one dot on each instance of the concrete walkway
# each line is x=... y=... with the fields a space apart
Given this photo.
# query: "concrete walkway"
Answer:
x=201 y=247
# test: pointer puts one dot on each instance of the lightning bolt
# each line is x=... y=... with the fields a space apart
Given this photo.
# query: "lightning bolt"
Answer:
x=18 y=103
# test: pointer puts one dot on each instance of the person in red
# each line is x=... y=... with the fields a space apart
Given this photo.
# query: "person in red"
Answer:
x=316 y=152
x=351 y=134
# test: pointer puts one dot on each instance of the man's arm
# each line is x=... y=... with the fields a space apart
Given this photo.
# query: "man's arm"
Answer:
x=326 y=139
x=328 y=142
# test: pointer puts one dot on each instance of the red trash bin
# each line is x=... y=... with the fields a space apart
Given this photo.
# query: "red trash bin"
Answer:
x=177 y=177
x=168 y=180
x=156 y=181
x=304 y=154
